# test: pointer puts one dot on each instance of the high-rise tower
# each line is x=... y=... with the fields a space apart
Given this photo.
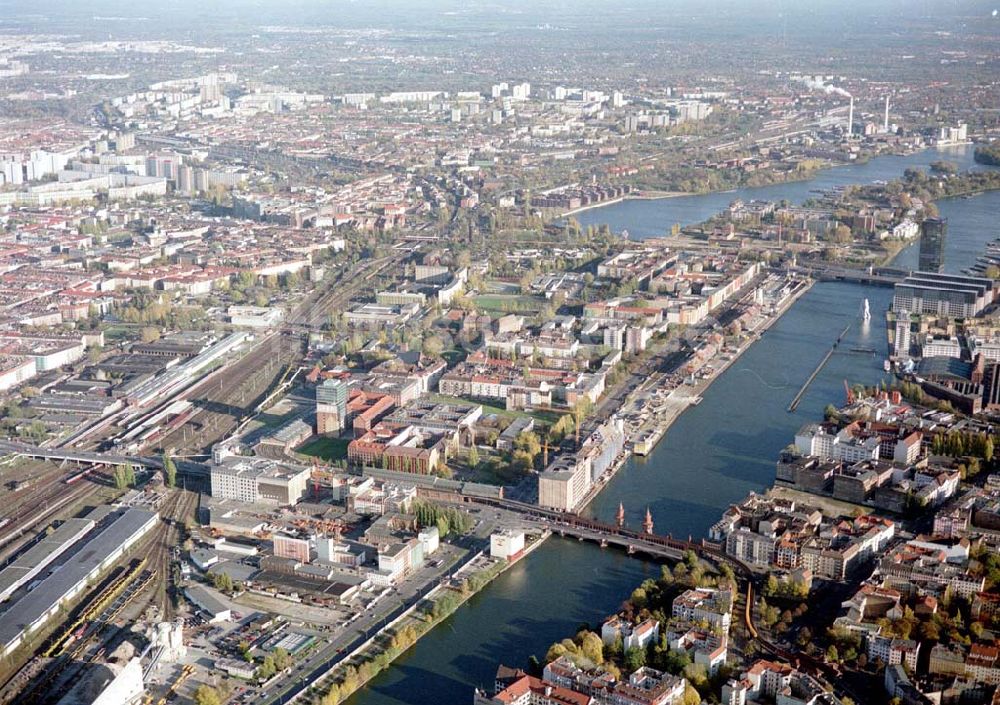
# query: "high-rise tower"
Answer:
x=932 y=236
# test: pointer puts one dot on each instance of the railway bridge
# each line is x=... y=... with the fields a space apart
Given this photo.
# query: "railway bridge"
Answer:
x=632 y=541
x=875 y=276
x=79 y=456
x=667 y=547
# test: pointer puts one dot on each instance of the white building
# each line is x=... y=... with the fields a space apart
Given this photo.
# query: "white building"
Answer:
x=989 y=349
x=15 y=369
x=942 y=347
x=633 y=636
x=258 y=480
x=751 y=547
x=397 y=560
x=906 y=230
x=255 y=316
x=125 y=688
x=430 y=539
x=901 y=344
x=329 y=550
x=564 y=484
x=891 y=651
x=506 y=544
x=814 y=440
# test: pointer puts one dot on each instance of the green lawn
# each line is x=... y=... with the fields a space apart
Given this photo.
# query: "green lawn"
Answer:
x=117 y=333
x=501 y=303
x=546 y=417
x=325 y=448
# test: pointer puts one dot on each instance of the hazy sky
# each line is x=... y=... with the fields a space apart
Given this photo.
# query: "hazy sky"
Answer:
x=829 y=26
x=394 y=12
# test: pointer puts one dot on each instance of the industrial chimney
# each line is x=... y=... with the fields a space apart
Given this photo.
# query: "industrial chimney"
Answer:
x=885 y=123
x=850 y=119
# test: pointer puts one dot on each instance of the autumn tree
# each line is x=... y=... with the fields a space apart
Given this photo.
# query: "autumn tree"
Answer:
x=207 y=695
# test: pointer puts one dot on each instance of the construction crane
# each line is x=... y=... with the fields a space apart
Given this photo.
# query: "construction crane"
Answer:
x=849 y=392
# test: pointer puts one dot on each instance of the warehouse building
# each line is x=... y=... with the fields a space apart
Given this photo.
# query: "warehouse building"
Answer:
x=33 y=561
x=214 y=608
x=952 y=295
x=118 y=533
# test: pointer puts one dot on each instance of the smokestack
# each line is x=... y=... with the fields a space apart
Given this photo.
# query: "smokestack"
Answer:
x=850 y=118
x=885 y=123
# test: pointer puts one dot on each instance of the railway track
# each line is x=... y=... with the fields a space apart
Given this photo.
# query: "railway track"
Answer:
x=227 y=400
x=44 y=501
x=85 y=639
x=175 y=510
x=315 y=313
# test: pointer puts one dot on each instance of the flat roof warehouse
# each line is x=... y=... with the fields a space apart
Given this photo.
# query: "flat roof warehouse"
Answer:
x=31 y=562
x=31 y=612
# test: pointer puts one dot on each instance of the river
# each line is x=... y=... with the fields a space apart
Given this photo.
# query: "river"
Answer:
x=644 y=218
x=711 y=457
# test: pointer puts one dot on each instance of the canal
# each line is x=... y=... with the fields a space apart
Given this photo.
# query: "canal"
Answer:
x=712 y=456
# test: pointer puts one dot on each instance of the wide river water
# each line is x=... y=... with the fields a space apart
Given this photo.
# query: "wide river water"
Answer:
x=712 y=456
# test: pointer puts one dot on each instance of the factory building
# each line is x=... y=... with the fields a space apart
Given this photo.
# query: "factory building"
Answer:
x=33 y=561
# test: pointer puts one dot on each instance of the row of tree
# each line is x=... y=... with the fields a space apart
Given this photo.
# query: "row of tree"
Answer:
x=277 y=660
x=357 y=674
x=959 y=444
x=223 y=582
x=788 y=589
x=988 y=154
x=169 y=471
x=123 y=476
x=448 y=520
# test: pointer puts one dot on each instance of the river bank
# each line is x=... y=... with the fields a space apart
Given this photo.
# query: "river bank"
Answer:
x=690 y=394
x=355 y=669
x=644 y=439
x=654 y=195
x=658 y=195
